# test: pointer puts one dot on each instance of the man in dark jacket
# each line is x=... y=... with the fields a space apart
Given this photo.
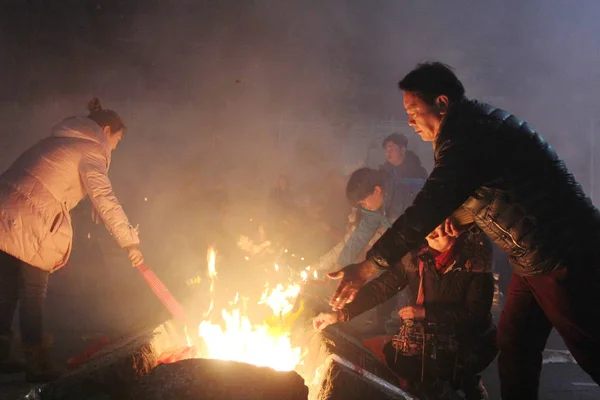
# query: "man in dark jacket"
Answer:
x=495 y=168
x=401 y=163
x=452 y=287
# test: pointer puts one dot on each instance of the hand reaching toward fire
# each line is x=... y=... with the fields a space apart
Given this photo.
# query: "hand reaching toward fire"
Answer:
x=323 y=320
x=353 y=277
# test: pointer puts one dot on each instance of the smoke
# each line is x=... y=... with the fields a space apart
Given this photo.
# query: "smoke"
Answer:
x=249 y=80
x=235 y=92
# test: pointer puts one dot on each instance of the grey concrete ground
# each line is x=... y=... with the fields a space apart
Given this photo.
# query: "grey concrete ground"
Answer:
x=558 y=381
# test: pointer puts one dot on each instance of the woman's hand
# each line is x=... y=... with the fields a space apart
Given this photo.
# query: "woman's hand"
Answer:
x=135 y=256
x=323 y=320
x=414 y=313
x=450 y=229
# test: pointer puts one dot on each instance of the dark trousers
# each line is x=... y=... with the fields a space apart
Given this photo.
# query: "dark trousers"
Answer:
x=566 y=299
x=23 y=285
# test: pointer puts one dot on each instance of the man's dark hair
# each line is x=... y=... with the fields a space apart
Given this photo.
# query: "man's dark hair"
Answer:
x=433 y=79
x=362 y=183
x=396 y=138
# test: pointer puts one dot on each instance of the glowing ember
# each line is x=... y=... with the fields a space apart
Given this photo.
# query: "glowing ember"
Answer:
x=193 y=281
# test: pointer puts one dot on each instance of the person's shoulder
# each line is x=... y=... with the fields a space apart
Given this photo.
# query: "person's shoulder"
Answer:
x=477 y=252
x=386 y=167
x=412 y=157
x=484 y=114
x=468 y=126
x=409 y=263
x=88 y=150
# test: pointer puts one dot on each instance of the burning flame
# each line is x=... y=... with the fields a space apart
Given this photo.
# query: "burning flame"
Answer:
x=280 y=300
x=212 y=271
x=238 y=339
x=212 y=274
x=244 y=342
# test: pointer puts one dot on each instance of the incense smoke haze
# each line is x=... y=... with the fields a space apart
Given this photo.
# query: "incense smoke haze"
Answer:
x=234 y=92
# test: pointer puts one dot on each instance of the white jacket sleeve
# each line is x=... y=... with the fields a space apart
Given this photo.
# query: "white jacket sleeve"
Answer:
x=93 y=170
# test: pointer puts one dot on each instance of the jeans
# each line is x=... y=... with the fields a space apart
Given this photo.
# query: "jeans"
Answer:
x=23 y=285
x=567 y=299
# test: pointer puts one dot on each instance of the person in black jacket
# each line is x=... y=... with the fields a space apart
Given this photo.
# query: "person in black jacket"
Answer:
x=452 y=288
x=494 y=168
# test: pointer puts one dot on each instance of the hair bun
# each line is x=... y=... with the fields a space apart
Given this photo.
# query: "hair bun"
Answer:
x=94 y=105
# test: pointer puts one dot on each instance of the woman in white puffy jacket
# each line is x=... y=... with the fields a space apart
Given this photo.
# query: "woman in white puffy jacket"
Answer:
x=36 y=194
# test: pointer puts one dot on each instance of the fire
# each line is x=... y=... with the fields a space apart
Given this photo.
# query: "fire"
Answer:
x=212 y=270
x=236 y=338
x=212 y=274
x=253 y=344
x=280 y=300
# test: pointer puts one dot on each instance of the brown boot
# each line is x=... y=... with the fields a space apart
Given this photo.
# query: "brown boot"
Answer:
x=8 y=365
x=39 y=367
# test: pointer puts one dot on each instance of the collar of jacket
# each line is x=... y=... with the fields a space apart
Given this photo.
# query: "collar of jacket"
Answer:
x=82 y=128
x=387 y=198
x=429 y=259
x=451 y=119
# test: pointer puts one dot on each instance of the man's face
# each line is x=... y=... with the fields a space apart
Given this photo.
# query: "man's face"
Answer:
x=425 y=119
x=394 y=154
x=374 y=201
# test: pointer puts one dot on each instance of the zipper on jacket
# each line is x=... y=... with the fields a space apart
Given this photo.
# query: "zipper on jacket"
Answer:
x=507 y=233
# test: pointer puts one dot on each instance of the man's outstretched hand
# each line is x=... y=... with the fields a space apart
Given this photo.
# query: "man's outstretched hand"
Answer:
x=353 y=277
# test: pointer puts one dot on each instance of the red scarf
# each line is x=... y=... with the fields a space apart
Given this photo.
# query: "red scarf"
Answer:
x=442 y=262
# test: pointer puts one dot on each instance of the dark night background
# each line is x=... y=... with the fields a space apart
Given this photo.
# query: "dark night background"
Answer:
x=232 y=93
